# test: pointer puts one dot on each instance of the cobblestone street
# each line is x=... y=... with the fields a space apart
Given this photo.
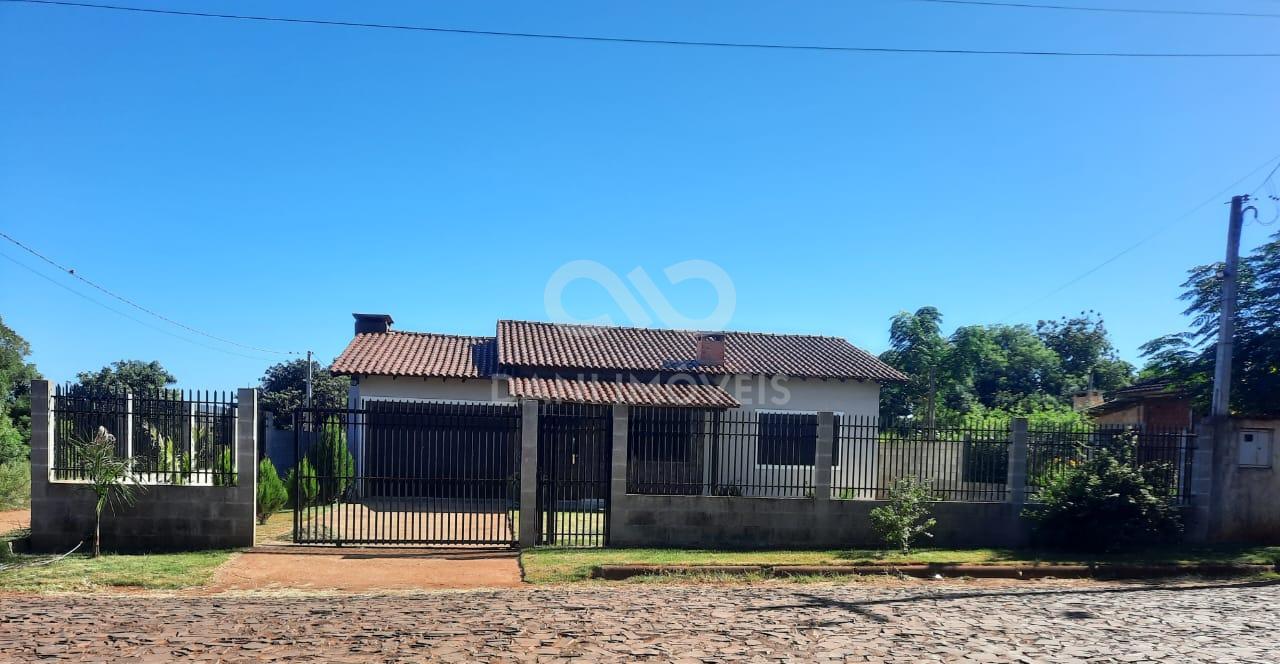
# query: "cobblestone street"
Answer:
x=1040 y=622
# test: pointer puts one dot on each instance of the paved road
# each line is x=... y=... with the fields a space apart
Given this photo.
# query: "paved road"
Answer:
x=693 y=623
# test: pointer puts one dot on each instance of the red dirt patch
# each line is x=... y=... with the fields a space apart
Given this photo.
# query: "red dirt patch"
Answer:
x=365 y=569
x=14 y=520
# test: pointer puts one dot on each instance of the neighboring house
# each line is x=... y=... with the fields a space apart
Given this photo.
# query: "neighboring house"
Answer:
x=1152 y=404
x=774 y=382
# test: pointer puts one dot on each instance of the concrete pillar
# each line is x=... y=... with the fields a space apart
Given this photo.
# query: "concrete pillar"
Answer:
x=528 y=473
x=243 y=499
x=41 y=462
x=618 y=467
x=1200 y=512
x=822 y=456
x=1017 y=489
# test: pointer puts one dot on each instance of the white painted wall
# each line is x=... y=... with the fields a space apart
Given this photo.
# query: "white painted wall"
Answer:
x=434 y=389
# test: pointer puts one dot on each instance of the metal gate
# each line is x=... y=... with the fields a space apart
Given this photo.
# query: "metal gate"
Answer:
x=575 y=457
x=398 y=472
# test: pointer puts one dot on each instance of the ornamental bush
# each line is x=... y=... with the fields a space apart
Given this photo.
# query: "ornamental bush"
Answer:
x=272 y=495
x=906 y=517
x=301 y=484
x=333 y=463
x=1105 y=502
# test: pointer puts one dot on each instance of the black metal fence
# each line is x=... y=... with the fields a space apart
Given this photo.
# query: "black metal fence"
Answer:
x=171 y=436
x=1164 y=455
x=960 y=461
x=400 y=472
x=575 y=458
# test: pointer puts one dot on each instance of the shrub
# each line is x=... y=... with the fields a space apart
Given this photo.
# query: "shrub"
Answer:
x=224 y=469
x=906 y=517
x=333 y=463
x=1103 y=503
x=15 y=485
x=305 y=487
x=108 y=477
x=272 y=494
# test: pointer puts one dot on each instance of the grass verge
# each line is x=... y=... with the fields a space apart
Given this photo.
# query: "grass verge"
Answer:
x=560 y=565
x=79 y=573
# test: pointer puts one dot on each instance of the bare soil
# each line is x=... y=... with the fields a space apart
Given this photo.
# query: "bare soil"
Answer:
x=365 y=569
x=14 y=520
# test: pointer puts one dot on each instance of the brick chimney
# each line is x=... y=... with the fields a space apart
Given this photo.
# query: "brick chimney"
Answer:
x=372 y=323
x=711 y=348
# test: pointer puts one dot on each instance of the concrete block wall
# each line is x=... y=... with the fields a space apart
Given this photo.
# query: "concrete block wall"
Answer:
x=767 y=522
x=163 y=518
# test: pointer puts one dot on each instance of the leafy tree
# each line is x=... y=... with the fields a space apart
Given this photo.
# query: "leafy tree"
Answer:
x=108 y=478
x=132 y=375
x=284 y=389
x=916 y=347
x=906 y=517
x=1005 y=366
x=1085 y=352
x=1188 y=357
x=272 y=495
x=15 y=391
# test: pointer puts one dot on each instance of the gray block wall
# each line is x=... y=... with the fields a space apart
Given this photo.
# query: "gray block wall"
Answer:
x=769 y=523
x=163 y=518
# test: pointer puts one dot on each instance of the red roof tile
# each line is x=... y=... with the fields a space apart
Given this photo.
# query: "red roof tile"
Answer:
x=631 y=393
x=418 y=354
x=589 y=347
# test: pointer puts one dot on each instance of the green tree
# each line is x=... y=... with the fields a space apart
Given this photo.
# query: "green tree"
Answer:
x=132 y=375
x=1007 y=366
x=301 y=484
x=16 y=374
x=284 y=389
x=272 y=495
x=1188 y=357
x=916 y=347
x=333 y=463
x=1086 y=352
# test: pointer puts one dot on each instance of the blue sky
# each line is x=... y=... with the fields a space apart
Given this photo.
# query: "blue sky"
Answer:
x=262 y=181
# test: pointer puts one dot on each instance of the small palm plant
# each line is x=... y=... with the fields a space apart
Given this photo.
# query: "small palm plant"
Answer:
x=110 y=478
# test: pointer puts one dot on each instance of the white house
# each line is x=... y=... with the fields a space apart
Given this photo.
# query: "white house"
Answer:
x=760 y=384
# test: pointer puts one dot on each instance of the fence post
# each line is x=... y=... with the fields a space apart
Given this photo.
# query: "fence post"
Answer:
x=528 y=473
x=822 y=456
x=243 y=498
x=128 y=425
x=1017 y=481
x=42 y=460
x=1201 y=516
x=618 y=467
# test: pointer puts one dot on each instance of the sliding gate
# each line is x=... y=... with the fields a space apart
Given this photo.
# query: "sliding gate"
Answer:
x=398 y=472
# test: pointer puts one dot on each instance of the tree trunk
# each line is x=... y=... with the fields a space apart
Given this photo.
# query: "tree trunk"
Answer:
x=97 y=535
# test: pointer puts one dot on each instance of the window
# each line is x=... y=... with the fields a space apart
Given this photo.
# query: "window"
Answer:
x=791 y=439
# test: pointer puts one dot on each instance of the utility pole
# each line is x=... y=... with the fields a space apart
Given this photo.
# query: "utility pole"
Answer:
x=1227 y=314
x=308 y=380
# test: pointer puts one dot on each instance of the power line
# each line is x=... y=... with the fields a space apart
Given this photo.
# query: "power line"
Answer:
x=121 y=313
x=1145 y=239
x=1266 y=179
x=137 y=306
x=1109 y=10
x=646 y=41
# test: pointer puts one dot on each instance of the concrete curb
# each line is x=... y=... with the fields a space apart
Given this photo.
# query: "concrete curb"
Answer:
x=1105 y=571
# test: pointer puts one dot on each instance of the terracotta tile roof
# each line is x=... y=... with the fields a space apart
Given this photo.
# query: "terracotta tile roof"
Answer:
x=631 y=393
x=588 y=347
x=418 y=354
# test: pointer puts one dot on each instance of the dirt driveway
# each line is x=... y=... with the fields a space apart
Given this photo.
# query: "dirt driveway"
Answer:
x=366 y=569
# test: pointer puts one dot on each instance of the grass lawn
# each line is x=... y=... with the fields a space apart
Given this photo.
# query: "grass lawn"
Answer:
x=553 y=565
x=169 y=571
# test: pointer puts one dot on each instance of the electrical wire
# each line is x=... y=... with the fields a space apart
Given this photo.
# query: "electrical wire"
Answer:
x=1110 y=10
x=113 y=310
x=650 y=42
x=1145 y=239
x=137 y=306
